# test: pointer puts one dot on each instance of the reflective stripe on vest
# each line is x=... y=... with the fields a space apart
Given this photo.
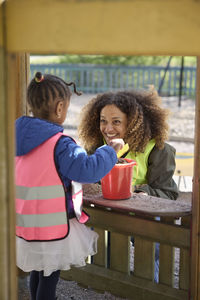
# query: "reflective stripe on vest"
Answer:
x=142 y=163
x=40 y=196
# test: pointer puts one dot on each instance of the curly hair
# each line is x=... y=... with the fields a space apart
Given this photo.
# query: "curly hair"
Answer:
x=146 y=119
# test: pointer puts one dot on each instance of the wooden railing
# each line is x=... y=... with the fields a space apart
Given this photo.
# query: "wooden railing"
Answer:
x=116 y=269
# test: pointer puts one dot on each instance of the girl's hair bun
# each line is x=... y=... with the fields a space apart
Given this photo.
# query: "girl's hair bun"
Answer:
x=39 y=77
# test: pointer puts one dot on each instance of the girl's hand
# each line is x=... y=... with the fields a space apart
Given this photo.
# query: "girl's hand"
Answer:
x=117 y=144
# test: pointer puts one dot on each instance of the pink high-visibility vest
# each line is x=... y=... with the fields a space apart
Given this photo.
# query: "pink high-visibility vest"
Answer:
x=41 y=205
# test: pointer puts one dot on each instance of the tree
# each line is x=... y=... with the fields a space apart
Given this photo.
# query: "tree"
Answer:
x=125 y=60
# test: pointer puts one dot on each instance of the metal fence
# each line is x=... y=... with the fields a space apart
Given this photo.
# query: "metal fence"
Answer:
x=101 y=78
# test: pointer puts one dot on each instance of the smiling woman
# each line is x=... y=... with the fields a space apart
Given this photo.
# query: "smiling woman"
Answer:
x=138 y=118
x=113 y=123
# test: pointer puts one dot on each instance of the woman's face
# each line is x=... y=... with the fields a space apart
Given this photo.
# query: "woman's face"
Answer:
x=113 y=122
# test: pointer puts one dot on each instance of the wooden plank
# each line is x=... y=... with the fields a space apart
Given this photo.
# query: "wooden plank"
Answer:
x=22 y=79
x=122 y=285
x=4 y=292
x=10 y=148
x=165 y=233
x=8 y=86
x=8 y=283
x=195 y=242
x=184 y=272
x=142 y=205
x=166 y=259
x=2 y=27
x=119 y=252
x=164 y=23
x=166 y=266
x=101 y=257
x=144 y=255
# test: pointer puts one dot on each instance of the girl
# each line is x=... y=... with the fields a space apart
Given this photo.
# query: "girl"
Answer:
x=51 y=235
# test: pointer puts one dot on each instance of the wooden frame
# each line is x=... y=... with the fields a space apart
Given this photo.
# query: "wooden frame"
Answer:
x=148 y=27
x=151 y=27
x=195 y=246
x=137 y=284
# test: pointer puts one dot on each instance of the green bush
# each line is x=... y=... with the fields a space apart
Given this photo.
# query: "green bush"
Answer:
x=126 y=60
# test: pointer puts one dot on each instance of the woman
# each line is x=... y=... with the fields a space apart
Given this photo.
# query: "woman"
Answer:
x=138 y=118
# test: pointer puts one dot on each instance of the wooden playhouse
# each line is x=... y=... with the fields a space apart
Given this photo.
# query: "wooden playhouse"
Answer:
x=117 y=27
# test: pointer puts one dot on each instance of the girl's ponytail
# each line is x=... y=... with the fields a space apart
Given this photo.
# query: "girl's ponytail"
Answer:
x=39 y=77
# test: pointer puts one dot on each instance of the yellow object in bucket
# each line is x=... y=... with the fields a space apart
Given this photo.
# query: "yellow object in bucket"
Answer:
x=123 y=150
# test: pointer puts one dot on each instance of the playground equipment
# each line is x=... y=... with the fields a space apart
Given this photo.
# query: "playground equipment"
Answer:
x=184 y=166
x=97 y=27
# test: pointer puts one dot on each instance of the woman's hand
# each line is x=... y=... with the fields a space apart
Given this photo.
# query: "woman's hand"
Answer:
x=117 y=144
x=142 y=193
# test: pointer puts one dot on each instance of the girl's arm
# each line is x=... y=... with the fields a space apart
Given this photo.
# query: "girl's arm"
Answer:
x=73 y=162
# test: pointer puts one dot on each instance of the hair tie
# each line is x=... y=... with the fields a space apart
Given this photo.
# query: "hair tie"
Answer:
x=39 y=79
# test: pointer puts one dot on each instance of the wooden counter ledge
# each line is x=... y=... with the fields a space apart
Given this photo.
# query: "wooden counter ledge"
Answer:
x=138 y=204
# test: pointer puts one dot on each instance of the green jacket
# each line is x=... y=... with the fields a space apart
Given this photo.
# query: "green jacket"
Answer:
x=157 y=174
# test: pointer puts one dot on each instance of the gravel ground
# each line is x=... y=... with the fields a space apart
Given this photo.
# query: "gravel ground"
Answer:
x=181 y=125
x=66 y=290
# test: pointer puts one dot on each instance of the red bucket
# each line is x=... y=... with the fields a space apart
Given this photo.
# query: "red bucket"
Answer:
x=117 y=184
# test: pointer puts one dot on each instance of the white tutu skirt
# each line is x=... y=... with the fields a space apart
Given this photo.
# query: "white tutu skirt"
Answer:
x=58 y=255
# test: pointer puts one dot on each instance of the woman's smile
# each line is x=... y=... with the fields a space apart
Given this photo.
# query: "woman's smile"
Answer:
x=113 y=122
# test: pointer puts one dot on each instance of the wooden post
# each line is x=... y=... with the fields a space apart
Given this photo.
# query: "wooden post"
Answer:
x=195 y=249
x=13 y=70
x=22 y=65
x=13 y=80
x=8 y=283
x=22 y=78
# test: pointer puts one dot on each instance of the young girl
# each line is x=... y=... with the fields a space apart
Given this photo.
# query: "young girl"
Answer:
x=51 y=235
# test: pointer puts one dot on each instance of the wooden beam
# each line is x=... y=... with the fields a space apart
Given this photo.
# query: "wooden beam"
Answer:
x=11 y=75
x=22 y=79
x=8 y=282
x=120 y=284
x=3 y=186
x=1 y=26
x=154 y=231
x=150 y=27
x=195 y=253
